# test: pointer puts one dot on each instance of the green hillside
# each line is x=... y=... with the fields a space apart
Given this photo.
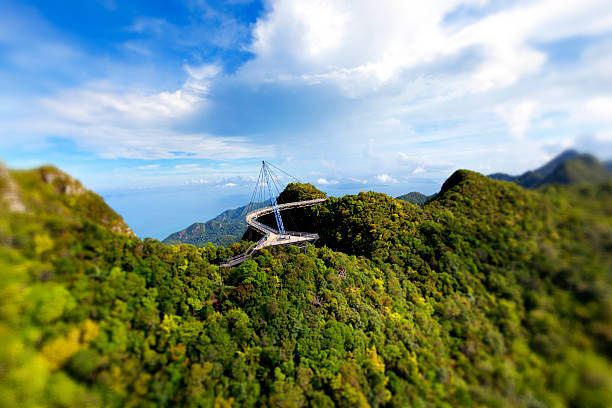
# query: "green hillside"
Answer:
x=584 y=168
x=225 y=229
x=414 y=197
x=570 y=167
x=489 y=295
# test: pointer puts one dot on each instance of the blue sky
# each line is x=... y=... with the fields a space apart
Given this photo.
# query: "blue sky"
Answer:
x=138 y=98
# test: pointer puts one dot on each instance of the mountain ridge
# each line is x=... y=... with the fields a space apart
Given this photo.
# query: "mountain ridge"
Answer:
x=568 y=167
x=414 y=197
x=488 y=295
x=225 y=229
x=230 y=226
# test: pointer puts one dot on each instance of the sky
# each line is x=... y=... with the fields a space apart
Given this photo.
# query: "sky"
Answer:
x=167 y=108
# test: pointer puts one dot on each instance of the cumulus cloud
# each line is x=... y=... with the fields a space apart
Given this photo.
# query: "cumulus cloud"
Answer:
x=148 y=167
x=140 y=125
x=599 y=108
x=385 y=178
x=198 y=181
x=448 y=81
x=357 y=180
x=86 y=106
x=517 y=117
x=325 y=181
x=364 y=44
x=98 y=103
x=363 y=89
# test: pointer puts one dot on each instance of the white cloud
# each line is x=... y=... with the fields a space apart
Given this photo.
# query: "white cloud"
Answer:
x=325 y=181
x=361 y=45
x=227 y=185
x=200 y=78
x=148 y=144
x=98 y=103
x=148 y=167
x=385 y=178
x=205 y=71
x=389 y=123
x=186 y=166
x=198 y=181
x=517 y=117
x=139 y=125
x=599 y=108
x=359 y=181
x=445 y=93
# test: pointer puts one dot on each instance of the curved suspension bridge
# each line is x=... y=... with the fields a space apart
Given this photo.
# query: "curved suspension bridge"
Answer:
x=272 y=237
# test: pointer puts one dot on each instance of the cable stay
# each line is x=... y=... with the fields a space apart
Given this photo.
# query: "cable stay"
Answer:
x=279 y=220
x=267 y=189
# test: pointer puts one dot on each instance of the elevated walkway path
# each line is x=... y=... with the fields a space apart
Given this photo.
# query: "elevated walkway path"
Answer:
x=272 y=237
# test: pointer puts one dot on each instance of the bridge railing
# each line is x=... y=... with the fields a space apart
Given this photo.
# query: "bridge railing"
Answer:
x=252 y=217
x=267 y=231
x=302 y=234
x=247 y=253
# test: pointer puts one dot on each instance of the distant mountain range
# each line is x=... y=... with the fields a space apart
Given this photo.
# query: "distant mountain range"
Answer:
x=229 y=226
x=567 y=168
x=225 y=229
x=489 y=295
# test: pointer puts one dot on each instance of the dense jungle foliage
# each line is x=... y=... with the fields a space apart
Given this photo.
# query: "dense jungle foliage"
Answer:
x=489 y=295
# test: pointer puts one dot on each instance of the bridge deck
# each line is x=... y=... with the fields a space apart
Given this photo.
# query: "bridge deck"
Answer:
x=272 y=237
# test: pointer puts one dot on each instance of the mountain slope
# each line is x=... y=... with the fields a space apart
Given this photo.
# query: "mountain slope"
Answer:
x=583 y=168
x=224 y=229
x=488 y=295
x=414 y=197
x=567 y=168
x=549 y=167
x=48 y=190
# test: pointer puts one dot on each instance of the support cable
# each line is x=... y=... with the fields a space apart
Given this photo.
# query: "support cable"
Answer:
x=252 y=203
x=279 y=220
x=283 y=171
x=278 y=186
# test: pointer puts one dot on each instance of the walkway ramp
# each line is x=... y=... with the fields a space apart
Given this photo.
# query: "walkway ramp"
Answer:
x=271 y=236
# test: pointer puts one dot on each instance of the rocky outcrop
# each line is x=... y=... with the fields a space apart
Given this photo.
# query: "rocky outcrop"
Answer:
x=9 y=192
x=62 y=182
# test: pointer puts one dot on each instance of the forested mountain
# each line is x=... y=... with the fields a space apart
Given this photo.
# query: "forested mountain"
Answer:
x=225 y=229
x=414 y=198
x=489 y=295
x=230 y=226
x=568 y=168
